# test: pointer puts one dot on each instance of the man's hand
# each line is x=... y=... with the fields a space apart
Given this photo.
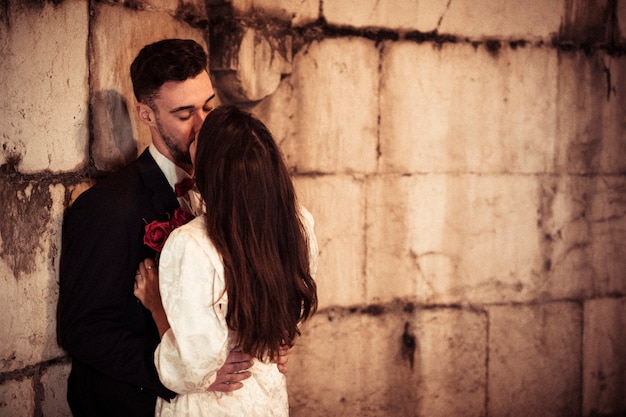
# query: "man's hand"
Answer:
x=230 y=375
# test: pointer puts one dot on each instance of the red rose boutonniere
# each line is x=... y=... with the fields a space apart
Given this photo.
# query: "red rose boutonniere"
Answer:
x=157 y=232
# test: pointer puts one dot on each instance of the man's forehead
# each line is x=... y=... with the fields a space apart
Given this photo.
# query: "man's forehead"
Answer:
x=190 y=93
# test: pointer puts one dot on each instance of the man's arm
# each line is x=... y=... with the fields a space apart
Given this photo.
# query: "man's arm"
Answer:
x=100 y=322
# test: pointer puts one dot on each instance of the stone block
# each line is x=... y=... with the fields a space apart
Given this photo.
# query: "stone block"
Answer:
x=118 y=34
x=604 y=357
x=423 y=16
x=277 y=113
x=582 y=231
x=453 y=238
x=534 y=360
x=456 y=108
x=513 y=19
x=336 y=203
x=54 y=382
x=452 y=355
x=335 y=123
x=590 y=109
x=17 y=398
x=30 y=250
x=44 y=86
x=449 y=239
x=249 y=64
x=398 y=361
x=564 y=238
x=363 y=349
x=607 y=233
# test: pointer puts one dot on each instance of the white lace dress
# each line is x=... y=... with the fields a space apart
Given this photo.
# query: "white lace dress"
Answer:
x=192 y=287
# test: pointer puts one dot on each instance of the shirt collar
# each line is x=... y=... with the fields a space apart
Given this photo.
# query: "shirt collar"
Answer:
x=172 y=172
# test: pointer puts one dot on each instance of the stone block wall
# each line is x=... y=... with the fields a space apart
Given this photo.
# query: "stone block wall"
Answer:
x=465 y=163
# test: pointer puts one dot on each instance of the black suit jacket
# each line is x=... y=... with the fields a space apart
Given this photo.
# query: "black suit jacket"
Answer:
x=109 y=335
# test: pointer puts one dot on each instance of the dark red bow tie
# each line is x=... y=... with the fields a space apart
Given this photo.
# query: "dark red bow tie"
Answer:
x=183 y=186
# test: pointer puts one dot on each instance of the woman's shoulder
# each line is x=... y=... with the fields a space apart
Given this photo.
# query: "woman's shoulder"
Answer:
x=194 y=229
x=192 y=237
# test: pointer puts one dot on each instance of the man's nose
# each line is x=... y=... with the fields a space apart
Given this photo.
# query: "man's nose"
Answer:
x=198 y=120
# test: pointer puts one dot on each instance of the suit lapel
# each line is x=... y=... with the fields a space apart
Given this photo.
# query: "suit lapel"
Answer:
x=163 y=199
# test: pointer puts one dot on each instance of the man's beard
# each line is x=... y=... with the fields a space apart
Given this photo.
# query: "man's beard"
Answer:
x=181 y=157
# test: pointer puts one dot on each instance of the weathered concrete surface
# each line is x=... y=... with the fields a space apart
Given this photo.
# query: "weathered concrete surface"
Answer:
x=604 y=350
x=456 y=108
x=534 y=358
x=44 y=123
x=591 y=103
x=464 y=163
x=424 y=16
x=334 y=135
x=393 y=360
x=508 y=20
x=17 y=399
x=337 y=202
x=516 y=19
x=453 y=239
x=29 y=256
x=490 y=239
x=54 y=386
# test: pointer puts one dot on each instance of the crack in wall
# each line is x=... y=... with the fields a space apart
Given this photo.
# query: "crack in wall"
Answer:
x=443 y=15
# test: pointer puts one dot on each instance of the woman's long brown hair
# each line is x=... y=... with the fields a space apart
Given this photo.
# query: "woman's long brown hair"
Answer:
x=253 y=219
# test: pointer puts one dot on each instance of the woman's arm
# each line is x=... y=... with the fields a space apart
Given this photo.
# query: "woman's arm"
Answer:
x=147 y=291
x=194 y=338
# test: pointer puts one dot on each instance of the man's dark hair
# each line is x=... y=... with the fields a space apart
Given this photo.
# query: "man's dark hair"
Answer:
x=165 y=60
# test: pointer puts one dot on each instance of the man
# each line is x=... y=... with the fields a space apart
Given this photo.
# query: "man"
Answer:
x=110 y=337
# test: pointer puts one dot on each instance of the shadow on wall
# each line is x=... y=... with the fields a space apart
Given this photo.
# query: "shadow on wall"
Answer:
x=113 y=143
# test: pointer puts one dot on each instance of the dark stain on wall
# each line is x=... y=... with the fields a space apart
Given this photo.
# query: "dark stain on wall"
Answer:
x=409 y=344
x=12 y=161
x=590 y=23
x=493 y=46
x=134 y=4
x=27 y=206
x=585 y=147
x=547 y=192
x=34 y=372
x=6 y=5
x=189 y=14
x=225 y=34
x=433 y=37
x=374 y=310
x=4 y=12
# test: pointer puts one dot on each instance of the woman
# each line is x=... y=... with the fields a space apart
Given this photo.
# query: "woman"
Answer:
x=240 y=276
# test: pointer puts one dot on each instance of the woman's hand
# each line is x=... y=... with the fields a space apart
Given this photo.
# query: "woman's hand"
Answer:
x=147 y=291
x=147 y=285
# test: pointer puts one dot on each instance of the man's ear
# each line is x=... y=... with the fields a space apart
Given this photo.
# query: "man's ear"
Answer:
x=146 y=115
